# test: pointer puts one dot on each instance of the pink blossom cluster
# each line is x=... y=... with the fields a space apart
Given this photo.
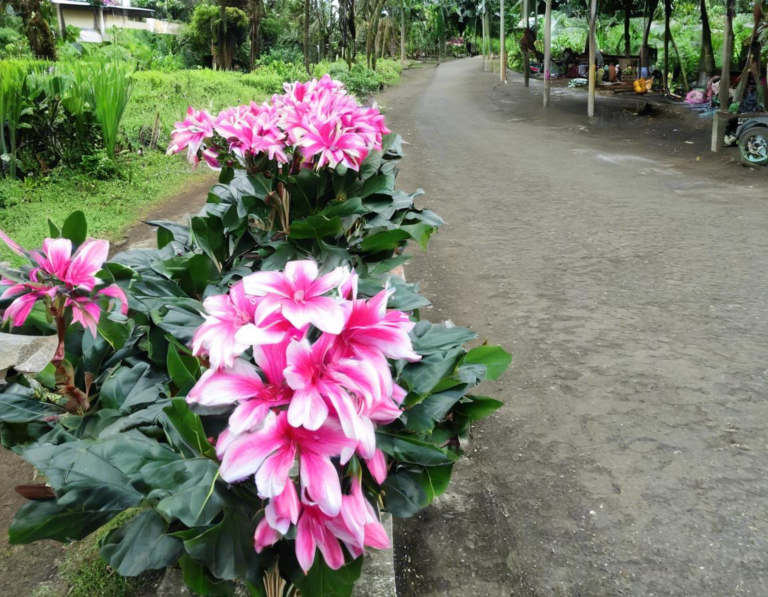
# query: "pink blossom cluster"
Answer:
x=318 y=384
x=315 y=122
x=62 y=280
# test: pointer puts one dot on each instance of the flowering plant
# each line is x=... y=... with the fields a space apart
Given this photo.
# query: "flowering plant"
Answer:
x=320 y=385
x=272 y=388
x=68 y=287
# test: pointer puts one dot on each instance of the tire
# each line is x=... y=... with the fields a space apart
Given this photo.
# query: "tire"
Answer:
x=753 y=146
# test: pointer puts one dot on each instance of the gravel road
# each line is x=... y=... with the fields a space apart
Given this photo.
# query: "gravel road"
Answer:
x=625 y=268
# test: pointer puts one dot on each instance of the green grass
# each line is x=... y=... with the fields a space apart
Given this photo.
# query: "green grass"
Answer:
x=169 y=95
x=109 y=205
x=82 y=572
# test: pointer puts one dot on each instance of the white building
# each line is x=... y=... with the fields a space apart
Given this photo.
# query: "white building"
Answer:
x=95 y=22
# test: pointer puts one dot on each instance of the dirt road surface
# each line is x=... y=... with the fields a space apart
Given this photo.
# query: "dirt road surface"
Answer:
x=629 y=280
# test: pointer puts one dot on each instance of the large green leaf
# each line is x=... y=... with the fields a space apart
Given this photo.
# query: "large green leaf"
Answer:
x=227 y=549
x=428 y=337
x=198 y=580
x=316 y=227
x=423 y=377
x=255 y=185
x=183 y=369
x=189 y=427
x=141 y=544
x=47 y=520
x=381 y=241
x=344 y=209
x=408 y=449
x=478 y=407
x=75 y=228
x=208 y=234
x=420 y=233
x=110 y=461
x=186 y=490
x=404 y=494
x=495 y=359
x=130 y=387
x=18 y=404
x=423 y=416
x=322 y=581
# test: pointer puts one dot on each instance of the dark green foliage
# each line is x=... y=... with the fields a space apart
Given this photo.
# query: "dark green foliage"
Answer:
x=141 y=448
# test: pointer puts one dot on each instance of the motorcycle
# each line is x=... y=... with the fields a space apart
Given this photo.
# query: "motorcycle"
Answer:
x=752 y=137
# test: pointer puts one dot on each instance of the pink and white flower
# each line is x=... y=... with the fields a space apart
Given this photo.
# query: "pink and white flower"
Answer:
x=190 y=133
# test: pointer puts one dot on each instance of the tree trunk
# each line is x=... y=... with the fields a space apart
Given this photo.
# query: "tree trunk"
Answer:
x=256 y=8
x=402 y=35
x=547 y=51
x=592 y=53
x=718 y=121
x=224 y=60
x=627 y=37
x=502 y=46
x=651 y=7
x=385 y=37
x=306 y=35
x=680 y=61
x=39 y=34
x=707 y=57
x=667 y=17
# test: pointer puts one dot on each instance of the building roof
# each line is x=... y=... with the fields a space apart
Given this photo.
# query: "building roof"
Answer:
x=87 y=5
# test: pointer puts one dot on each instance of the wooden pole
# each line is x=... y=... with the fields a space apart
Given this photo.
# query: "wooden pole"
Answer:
x=592 y=51
x=402 y=35
x=720 y=117
x=485 y=49
x=502 y=47
x=547 y=51
x=667 y=17
x=526 y=58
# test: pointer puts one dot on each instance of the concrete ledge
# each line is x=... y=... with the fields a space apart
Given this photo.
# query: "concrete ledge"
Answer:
x=378 y=576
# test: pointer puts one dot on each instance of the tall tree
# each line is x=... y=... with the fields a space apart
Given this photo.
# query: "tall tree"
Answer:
x=707 y=56
x=256 y=12
x=36 y=28
x=719 y=118
x=627 y=37
x=650 y=11
x=306 y=36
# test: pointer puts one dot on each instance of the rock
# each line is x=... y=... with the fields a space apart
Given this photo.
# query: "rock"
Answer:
x=26 y=354
x=172 y=584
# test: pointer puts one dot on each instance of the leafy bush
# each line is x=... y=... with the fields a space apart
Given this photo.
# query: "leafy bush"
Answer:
x=51 y=112
x=122 y=417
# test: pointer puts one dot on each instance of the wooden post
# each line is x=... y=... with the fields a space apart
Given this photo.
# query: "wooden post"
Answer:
x=502 y=47
x=402 y=35
x=667 y=17
x=592 y=49
x=526 y=58
x=485 y=49
x=547 y=51
x=720 y=117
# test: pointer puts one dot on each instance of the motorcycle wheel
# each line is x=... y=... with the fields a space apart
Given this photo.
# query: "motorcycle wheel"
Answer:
x=753 y=146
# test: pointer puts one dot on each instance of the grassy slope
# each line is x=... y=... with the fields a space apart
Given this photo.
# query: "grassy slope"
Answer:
x=110 y=206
